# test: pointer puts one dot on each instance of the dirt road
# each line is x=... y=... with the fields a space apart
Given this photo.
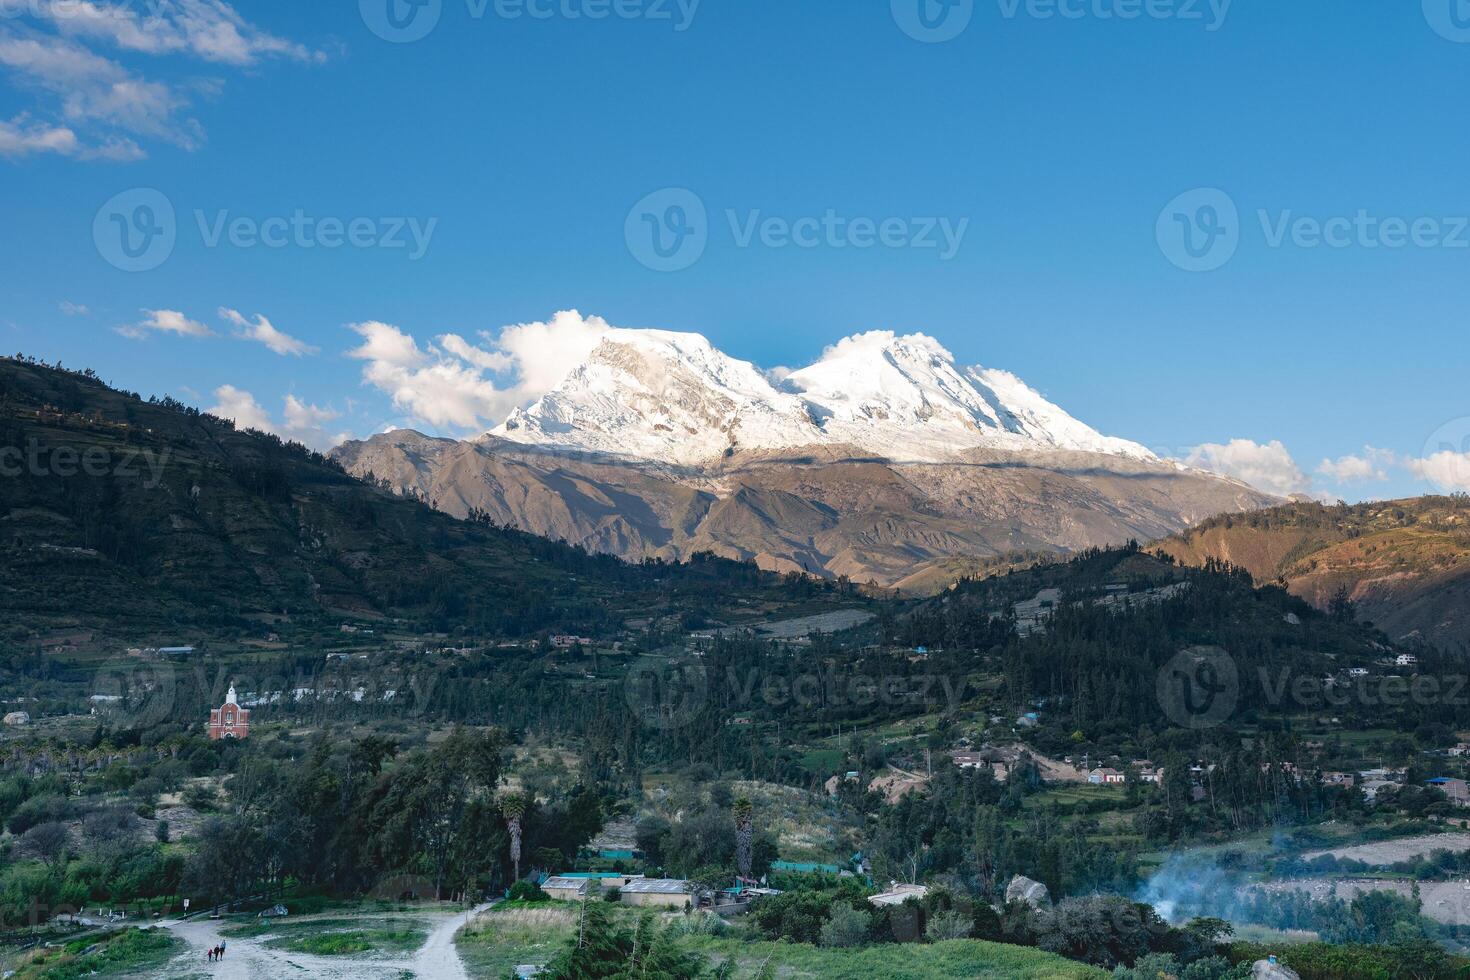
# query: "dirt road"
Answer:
x=249 y=958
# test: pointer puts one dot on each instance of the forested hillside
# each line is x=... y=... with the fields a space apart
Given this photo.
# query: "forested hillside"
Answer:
x=137 y=519
x=1404 y=563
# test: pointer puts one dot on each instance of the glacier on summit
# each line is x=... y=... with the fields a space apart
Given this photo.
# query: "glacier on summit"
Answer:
x=674 y=398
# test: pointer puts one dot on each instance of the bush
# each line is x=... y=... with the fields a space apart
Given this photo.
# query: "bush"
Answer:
x=525 y=891
x=949 y=925
x=1323 y=961
x=847 y=927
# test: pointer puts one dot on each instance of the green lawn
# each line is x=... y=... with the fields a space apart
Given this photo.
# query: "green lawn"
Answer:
x=130 y=953
x=497 y=942
x=336 y=936
x=352 y=942
x=961 y=958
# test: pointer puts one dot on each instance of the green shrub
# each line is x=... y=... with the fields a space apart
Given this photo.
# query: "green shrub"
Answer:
x=525 y=891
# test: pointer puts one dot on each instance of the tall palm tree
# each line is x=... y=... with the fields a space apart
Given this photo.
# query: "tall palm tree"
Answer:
x=513 y=808
x=744 y=835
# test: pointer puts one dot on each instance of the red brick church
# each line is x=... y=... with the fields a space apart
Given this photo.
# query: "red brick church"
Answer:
x=229 y=720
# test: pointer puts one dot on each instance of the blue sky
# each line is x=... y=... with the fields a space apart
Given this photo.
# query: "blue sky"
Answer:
x=488 y=171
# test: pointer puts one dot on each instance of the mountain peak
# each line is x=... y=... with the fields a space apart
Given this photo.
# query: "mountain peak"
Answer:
x=675 y=398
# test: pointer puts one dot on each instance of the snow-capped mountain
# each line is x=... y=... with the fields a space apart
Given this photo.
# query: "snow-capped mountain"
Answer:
x=674 y=398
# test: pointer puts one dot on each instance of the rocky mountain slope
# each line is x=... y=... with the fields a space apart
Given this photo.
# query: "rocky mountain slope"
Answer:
x=884 y=462
x=1404 y=563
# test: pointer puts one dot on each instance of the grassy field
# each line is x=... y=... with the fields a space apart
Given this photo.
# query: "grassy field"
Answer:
x=500 y=941
x=335 y=936
x=351 y=942
x=129 y=953
x=961 y=958
x=496 y=943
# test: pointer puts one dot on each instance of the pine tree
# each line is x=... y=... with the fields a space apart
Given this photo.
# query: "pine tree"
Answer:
x=744 y=835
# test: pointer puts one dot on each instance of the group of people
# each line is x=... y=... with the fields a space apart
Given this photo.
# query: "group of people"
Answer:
x=216 y=953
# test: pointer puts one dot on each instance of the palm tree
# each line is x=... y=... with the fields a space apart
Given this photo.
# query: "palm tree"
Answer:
x=744 y=835
x=513 y=808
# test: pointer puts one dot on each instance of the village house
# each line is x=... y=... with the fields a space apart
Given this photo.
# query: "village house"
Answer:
x=1106 y=777
x=1457 y=790
x=229 y=720
x=898 y=894
x=566 y=889
x=663 y=892
x=563 y=641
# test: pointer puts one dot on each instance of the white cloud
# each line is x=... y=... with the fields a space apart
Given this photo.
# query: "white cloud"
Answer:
x=1372 y=464
x=94 y=89
x=264 y=332
x=1448 y=470
x=49 y=47
x=1267 y=467
x=456 y=383
x=240 y=407
x=544 y=352
x=74 y=309
x=165 y=321
x=18 y=139
x=303 y=422
x=207 y=29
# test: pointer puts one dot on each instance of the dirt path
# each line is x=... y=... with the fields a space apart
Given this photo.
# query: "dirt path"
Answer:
x=1391 y=851
x=249 y=958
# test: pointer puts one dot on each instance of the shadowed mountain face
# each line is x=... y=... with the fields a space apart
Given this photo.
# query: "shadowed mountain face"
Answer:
x=1405 y=563
x=827 y=510
x=143 y=519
